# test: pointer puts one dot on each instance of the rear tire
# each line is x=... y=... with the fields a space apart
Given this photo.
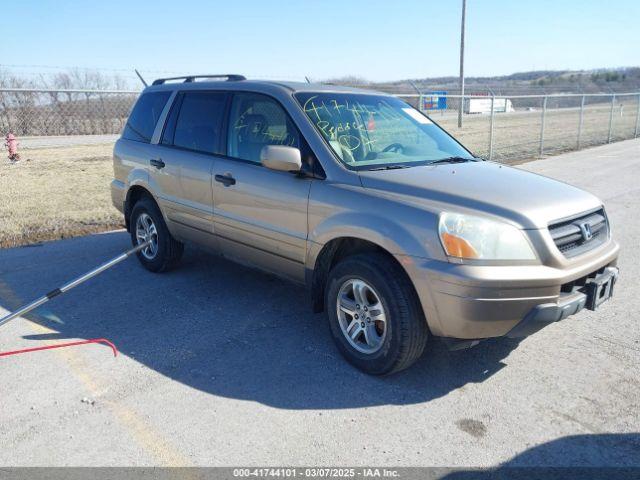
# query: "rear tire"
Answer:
x=147 y=223
x=380 y=281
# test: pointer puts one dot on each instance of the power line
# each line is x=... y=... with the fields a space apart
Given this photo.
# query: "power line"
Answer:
x=63 y=67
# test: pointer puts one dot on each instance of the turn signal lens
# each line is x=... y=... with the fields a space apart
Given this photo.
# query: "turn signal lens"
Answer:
x=458 y=247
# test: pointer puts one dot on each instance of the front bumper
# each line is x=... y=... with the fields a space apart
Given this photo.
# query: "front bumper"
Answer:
x=476 y=302
x=567 y=304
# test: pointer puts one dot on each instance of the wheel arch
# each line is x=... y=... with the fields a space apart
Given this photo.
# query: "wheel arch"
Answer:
x=134 y=194
x=333 y=252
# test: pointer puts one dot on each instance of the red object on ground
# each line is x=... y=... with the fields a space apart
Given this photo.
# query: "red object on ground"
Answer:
x=63 y=345
x=12 y=144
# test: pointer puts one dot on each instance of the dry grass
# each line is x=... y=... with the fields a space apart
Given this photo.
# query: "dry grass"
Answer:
x=517 y=134
x=57 y=193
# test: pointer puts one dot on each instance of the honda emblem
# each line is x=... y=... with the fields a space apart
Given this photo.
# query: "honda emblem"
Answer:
x=585 y=229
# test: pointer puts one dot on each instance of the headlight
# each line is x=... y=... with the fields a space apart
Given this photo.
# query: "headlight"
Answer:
x=467 y=236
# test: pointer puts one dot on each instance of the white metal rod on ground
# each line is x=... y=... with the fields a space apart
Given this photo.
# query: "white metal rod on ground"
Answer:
x=73 y=283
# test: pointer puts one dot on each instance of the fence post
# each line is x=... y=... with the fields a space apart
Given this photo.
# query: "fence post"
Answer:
x=493 y=101
x=635 y=134
x=613 y=100
x=419 y=92
x=544 y=114
x=580 y=123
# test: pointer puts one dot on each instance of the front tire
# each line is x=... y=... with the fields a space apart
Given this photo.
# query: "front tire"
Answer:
x=375 y=316
x=147 y=223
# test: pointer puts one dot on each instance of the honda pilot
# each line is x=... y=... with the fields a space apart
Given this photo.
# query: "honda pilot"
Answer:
x=399 y=232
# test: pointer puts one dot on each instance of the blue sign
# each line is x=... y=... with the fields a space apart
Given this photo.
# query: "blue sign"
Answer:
x=434 y=101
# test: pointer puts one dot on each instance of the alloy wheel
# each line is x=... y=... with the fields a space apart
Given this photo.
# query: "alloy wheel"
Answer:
x=146 y=230
x=361 y=315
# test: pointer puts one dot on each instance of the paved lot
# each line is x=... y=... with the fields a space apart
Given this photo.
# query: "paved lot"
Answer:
x=222 y=365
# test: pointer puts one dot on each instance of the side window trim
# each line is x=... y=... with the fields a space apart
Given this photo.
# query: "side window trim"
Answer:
x=155 y=138
x=172 y=118
x=224 y=133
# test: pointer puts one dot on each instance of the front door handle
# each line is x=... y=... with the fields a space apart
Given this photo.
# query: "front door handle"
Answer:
x=157 y=162
x=226 y=180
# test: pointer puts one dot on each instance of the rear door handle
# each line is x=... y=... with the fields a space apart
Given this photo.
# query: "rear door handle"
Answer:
x=157 y=162
x=226 y=180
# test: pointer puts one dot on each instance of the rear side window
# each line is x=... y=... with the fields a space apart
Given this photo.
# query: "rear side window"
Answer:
x=198 y=123
x=144 y=116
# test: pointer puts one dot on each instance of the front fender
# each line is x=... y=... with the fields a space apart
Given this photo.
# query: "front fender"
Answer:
x=405 y=243
x=338 y=211
x=377 y=229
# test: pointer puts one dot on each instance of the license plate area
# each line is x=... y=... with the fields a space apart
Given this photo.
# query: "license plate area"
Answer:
x=600 y=289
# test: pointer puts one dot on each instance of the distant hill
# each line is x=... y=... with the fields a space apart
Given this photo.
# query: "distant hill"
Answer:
x=604 y=80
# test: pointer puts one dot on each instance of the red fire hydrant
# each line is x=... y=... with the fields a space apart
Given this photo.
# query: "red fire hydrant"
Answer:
x=12 y=145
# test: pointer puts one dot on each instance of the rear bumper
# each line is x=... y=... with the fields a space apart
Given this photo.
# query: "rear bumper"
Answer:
x=118 y=194
x=471 y=302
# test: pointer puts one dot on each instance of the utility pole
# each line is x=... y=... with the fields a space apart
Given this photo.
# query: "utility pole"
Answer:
x=461 y=107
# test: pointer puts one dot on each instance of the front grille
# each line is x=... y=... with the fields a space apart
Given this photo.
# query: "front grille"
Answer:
x=581 y=233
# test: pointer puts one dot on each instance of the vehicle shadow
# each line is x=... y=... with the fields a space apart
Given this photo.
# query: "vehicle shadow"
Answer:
x=224 y=329
x=606 y=456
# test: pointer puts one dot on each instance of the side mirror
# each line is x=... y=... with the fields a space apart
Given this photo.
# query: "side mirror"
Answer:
x=281 y=158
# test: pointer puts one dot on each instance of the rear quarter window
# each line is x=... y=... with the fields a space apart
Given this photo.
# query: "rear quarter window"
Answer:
x=144 y=116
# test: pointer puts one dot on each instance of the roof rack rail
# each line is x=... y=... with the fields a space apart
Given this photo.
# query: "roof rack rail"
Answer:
x=231 y=77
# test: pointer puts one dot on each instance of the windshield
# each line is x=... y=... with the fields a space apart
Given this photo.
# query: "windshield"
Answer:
x=376 y=131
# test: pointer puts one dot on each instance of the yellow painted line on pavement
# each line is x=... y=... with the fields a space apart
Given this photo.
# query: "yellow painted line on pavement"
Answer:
x=143 y=433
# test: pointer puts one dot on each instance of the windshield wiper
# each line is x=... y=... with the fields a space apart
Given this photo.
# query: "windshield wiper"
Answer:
x=452 y=160
x=388 y=167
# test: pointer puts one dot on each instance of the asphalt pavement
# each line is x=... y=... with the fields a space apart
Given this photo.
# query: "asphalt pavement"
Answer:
x=223 y=365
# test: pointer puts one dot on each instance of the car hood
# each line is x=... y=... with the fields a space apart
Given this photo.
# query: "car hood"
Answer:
x=528 y=199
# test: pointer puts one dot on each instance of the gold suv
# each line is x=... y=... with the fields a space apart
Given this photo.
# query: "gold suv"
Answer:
x=397 y=230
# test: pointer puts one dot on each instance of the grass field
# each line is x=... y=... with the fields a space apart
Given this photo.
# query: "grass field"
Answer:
x=516 y=135
x=63 y=191
x=56 y=193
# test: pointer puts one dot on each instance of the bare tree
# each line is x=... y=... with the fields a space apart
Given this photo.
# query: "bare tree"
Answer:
x=76 y=103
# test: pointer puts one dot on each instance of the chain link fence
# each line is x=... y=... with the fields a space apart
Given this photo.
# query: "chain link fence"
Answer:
x=27 y=112
x=517 y=127
x=500 y=128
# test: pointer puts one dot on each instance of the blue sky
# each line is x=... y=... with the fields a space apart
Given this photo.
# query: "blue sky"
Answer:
x=378 y=40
